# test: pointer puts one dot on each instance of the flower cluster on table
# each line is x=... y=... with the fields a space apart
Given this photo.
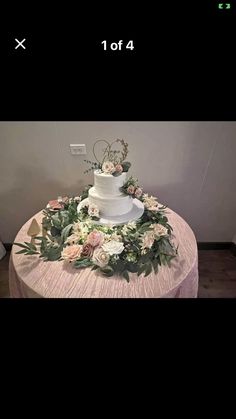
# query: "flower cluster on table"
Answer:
x=137 y=247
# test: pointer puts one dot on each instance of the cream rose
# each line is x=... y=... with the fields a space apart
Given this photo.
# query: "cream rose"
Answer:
x=100 y=257
x=72 y=253
x=113 y=247
x=95 y=238
x=108 y=167
x=159 y=230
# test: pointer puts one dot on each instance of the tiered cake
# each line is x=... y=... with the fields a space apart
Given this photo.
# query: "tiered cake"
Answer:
x=113 y=199
x=106 y=194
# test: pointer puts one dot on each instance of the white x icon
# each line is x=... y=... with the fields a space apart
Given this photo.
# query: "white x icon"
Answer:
x=20 y=43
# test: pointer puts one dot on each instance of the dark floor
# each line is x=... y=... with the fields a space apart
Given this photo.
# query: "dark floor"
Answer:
x=217 y=274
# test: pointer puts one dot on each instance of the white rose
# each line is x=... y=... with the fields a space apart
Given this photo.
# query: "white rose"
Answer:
x=100 y=257
x=108 y=167
x=159 y=230
x=113 y=247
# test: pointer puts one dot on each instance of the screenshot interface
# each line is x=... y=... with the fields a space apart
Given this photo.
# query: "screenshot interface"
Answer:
x=117 y=150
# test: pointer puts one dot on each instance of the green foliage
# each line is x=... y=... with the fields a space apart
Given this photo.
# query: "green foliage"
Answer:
x=133 y=259
x=27 y=248
x=66 y=232
x=83 y=263
x=125 y=274
x=107 y=271
x=126 y=166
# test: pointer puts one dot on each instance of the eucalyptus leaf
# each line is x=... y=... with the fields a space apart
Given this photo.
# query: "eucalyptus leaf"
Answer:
x=125 y=274
x=148 y=269
x=66 y=232
x=108 y=271
x=83 y=263
x=141 y=269
x=155 y=265
x=21 y=245
x=126 y=166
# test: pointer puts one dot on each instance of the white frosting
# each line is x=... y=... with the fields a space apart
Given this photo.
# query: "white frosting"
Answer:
x=110 y=205
x=108 y=185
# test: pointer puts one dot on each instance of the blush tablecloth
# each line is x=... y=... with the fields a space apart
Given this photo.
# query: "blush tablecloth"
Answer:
x=31 y=277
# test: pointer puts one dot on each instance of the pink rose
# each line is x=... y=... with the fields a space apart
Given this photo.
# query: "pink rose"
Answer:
x=95 y=238
x=72 y=253
x=119 y=168
x=87 y=250
x=130 y=190
x=138 y=192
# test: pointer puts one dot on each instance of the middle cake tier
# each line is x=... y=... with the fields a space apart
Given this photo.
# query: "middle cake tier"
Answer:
x=110 y=205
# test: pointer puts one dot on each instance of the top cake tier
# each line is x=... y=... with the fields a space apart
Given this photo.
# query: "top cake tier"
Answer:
x=108 y=185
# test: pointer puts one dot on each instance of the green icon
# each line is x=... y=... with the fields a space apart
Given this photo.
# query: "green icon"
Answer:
x=224 y=6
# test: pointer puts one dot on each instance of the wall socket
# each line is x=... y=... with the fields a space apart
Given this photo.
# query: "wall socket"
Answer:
x=78 y=149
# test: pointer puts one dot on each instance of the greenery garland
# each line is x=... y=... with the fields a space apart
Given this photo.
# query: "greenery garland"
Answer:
x=137 y=247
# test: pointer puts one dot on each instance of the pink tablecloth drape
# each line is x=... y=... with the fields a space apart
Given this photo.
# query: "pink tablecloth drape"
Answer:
x=31 y=277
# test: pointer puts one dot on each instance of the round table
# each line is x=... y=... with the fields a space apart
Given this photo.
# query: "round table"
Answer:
x=31 y=277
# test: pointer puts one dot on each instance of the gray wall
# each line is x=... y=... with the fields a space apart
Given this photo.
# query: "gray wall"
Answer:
x=188 y=165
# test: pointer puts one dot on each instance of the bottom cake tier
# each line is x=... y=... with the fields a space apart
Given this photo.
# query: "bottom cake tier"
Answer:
x=111 y=206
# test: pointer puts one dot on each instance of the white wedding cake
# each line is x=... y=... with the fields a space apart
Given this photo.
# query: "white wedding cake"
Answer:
x=106 y=195
x=113 y=199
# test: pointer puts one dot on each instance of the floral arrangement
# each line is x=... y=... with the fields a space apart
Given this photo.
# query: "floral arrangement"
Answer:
x=132 y=188
x=73 y=236
x=112 y=161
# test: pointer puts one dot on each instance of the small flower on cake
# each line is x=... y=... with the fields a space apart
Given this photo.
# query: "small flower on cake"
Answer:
x=108 y=167
x=72 y=253
x=130 y=189
x=95 y=238
x=100 y=257
x=113 y=247
x=93 y=210
x=138 y=192
x=119 y=168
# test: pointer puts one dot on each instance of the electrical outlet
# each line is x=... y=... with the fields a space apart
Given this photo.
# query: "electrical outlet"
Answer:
x=77 y=149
